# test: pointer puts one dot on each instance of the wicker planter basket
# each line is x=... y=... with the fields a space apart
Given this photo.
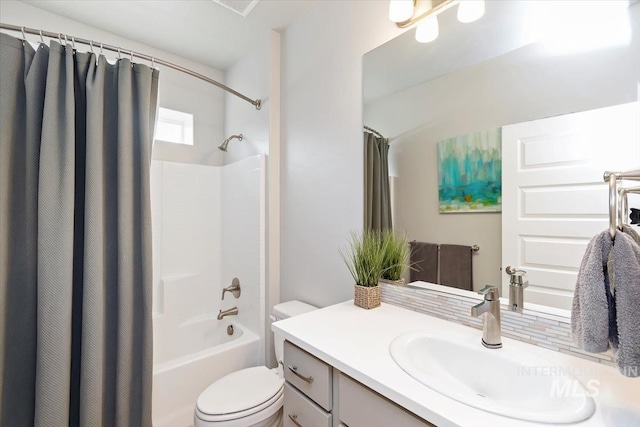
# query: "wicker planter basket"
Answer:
x=393 y=282
x=367 y=296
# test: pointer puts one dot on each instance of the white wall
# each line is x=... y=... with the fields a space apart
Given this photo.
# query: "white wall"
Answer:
x=178 y=91
x=250 y=76
x=522 y=85
x=322 y=172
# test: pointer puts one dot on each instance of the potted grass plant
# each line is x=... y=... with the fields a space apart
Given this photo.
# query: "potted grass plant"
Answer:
x=365 y=261
x=396 y=257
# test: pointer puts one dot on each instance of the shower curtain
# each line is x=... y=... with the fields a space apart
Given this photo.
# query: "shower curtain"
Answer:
x=75 y=238
x=377 y=193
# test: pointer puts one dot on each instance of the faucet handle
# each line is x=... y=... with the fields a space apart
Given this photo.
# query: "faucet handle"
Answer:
x=515 y=276
x=490 y=292
x=234 y=288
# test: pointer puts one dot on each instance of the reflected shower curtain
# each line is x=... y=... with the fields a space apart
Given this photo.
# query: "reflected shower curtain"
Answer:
x=75 y=238
x=377 y=193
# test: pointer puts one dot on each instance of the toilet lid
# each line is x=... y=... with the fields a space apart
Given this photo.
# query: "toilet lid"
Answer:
x=240 y=391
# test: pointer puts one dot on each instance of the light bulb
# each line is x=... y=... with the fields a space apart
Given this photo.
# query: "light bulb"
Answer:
x=470 y=10
x=427 y=30
x=400 y=10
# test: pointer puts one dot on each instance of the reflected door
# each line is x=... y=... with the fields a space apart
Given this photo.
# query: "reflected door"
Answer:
x=554 y=196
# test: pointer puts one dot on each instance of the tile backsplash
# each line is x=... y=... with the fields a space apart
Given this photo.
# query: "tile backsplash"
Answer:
x=548 y=331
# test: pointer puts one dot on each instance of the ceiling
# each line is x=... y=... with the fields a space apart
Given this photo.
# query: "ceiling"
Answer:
x=200 y=30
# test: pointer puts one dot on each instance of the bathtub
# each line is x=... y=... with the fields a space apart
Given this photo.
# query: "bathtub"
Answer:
x=189 y=357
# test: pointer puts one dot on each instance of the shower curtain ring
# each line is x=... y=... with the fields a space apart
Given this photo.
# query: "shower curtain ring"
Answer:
x=24 y=36
x=41 y=38
x=60 y=38
x=91 y=46
x=153 y=62
x=131 y=54
x=73 y=42
x=119 y=56
x=100 y=48
x=66 y=40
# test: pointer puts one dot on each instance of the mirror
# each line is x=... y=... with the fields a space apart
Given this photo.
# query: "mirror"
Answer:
x=520 y=62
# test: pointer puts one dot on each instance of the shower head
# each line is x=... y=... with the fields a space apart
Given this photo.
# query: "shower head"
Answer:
x=223 y=146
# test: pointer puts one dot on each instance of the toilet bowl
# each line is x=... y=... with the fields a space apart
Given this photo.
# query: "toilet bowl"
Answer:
x=249 y=397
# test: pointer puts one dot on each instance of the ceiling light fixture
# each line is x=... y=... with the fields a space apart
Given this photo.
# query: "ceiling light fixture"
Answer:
x=425 y=13
x=470 y=10
x=427 y=30
x=400 y=10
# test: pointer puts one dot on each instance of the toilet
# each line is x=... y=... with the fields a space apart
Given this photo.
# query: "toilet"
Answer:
x=250 y=397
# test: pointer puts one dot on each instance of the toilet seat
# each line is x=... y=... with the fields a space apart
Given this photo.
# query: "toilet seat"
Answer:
x=241 y=394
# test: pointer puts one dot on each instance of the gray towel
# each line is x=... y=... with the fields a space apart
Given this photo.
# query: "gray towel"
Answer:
x=627 y=229
x=455 y=266
x=626 y=273
x=590 y=311
x=424 y=262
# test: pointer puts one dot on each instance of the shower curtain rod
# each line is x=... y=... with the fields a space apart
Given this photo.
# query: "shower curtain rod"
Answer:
x=131 y=53
x=373 y=131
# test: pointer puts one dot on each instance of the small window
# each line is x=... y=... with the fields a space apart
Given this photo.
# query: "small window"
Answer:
x=174 y=126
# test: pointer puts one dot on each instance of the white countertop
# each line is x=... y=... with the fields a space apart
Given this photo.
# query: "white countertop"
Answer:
x=356 y=342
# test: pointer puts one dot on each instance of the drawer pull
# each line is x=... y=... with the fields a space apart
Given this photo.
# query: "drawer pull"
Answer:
x=294 y=369
x=294 y=418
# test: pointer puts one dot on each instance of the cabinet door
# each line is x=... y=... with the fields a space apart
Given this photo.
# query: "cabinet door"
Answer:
x=299 y=411
x=308 y=374
x=362 y=407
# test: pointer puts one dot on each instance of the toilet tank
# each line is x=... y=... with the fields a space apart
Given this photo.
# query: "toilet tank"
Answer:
x=285 y=310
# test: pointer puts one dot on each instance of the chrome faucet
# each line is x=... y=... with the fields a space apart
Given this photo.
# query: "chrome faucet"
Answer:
x=231 y=312
x=516 y=288
x=491 y=334
x=234 y=288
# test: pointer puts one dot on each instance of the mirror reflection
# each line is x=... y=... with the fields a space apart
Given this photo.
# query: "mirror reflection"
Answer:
x=526 y=70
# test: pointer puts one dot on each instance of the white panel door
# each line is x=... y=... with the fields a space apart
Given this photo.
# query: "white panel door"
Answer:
x=554 y=199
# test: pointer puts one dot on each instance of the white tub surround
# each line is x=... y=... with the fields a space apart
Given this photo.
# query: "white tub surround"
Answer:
x=356 y=342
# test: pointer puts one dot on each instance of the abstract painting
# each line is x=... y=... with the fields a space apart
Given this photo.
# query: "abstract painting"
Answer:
x=470 y=173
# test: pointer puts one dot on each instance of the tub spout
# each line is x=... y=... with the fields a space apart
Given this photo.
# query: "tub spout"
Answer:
x=230 y=312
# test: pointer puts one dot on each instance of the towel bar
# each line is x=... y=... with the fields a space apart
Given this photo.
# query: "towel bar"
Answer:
x=614 y=209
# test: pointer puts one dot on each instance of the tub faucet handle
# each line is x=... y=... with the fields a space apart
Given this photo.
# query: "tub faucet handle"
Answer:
x=234 y=288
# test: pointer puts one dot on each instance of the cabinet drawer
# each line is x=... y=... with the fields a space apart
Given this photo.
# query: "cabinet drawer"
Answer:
x=308 y=374
x=361 y=407
x=300 y=411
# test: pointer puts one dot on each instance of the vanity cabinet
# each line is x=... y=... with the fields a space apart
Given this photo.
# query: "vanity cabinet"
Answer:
x=308 y=392
x=302 y=411
x=362 y=407
x=318 y=395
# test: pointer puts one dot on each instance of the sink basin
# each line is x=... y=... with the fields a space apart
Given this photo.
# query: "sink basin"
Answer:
x=507 y=381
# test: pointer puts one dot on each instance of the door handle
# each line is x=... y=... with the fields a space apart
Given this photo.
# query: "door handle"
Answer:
x=294 y=418
x=294 y=369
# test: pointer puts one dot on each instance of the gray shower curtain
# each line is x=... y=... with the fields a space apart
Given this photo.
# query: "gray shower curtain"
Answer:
x=377 y=193
x=75 y=238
